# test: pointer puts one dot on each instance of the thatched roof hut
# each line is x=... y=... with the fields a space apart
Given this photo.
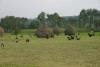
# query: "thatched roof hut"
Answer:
x=43 y=31
x=1 y=31
x=56 y=30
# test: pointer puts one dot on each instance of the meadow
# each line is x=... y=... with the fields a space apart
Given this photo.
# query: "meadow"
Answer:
x=52 y=52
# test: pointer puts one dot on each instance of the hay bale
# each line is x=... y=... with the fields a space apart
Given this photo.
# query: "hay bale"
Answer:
x=1 y=31
x=69 y=30
x=56 y=30
x=43 y=31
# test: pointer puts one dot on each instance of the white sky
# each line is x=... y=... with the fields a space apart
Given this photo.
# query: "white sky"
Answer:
x=32 y=8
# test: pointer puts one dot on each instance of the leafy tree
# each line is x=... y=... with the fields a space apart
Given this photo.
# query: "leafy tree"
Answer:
x=96 y=22
x=9 y=23
x=41 y=17
x=23 y=22
x=72 y=21
x=50 y=19
x=83 y=17
x=61 y=21
x=54 y=19
x=88 y=16
x=34 y=24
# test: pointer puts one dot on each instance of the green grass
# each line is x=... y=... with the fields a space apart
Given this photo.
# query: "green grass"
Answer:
x=52 y=52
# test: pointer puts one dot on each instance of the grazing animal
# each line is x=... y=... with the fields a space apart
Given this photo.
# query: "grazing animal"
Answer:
x=27 y=40
x=69 y=38
x=89 y=35
x=16 y=41
x=2 y=44
x=72 y=37
x=47 y=37
x=78 y=38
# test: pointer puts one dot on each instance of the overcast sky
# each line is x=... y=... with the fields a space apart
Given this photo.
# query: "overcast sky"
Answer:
x=32 y=8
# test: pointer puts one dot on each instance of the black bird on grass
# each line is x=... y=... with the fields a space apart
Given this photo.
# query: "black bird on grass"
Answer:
x=72 y=37
x=78 y=38
x=27 y=40
x=69 y=38
x=16 y=37
x=2 y=44
x=16 y=41
x=90 y=35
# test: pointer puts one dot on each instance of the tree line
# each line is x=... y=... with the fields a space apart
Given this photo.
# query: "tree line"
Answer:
x=89 y=18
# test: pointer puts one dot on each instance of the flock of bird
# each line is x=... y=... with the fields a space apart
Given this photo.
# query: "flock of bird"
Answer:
x=27 y=40
x=69 y=38
x=73 y=37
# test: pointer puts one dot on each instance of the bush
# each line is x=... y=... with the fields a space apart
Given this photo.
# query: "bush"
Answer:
x=69 y=30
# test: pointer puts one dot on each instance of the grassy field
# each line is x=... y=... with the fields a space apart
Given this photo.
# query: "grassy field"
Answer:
x=52 y=52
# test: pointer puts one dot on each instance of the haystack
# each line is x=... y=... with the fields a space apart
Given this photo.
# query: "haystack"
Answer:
x=1 y=31
x=44 y=31
x=56 y=30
